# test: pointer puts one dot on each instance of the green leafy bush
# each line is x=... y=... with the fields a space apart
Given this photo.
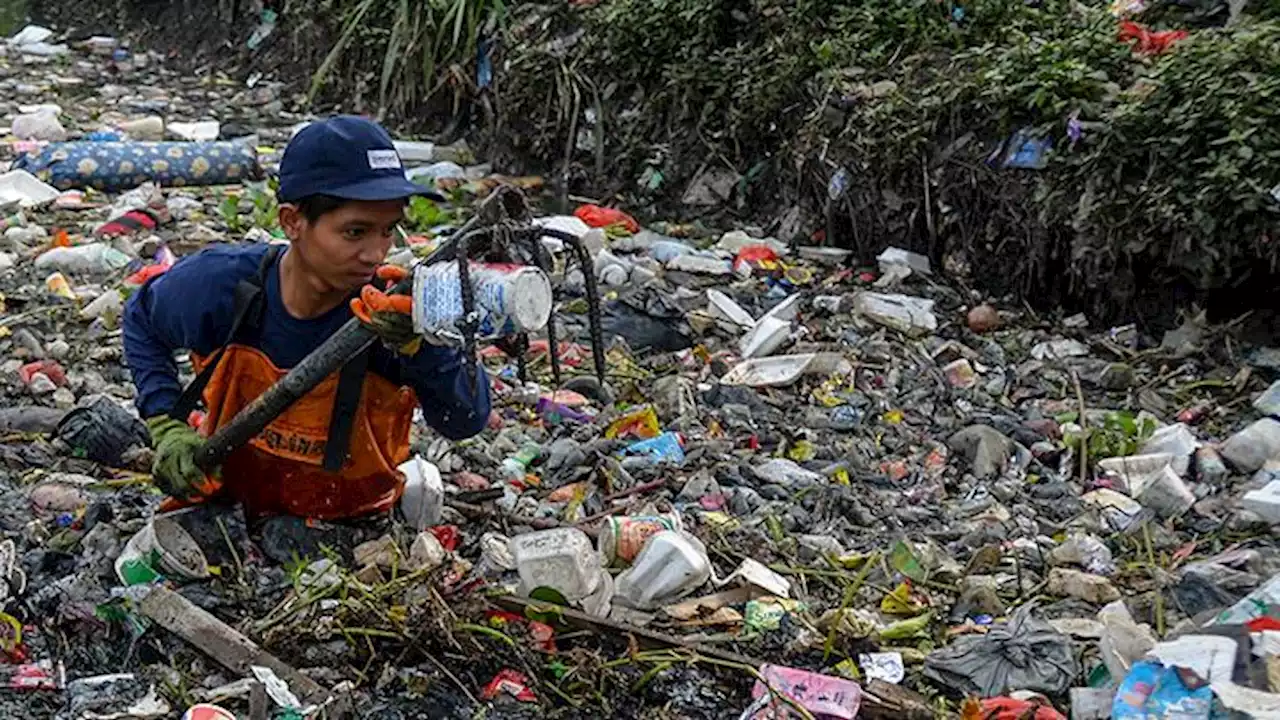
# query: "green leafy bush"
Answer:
x=1168 y=182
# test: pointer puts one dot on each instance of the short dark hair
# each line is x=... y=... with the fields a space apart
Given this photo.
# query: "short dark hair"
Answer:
x=315 y=206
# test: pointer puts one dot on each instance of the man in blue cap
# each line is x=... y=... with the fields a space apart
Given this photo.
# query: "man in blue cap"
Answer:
x=247 y=313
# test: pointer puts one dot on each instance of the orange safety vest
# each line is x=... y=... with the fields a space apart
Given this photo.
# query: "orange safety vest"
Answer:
x=332 y=454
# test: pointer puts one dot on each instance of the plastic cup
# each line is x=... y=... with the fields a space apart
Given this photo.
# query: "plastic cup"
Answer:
x=622 y=538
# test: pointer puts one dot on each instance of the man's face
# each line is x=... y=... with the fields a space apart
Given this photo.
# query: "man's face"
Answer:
x=343 y=247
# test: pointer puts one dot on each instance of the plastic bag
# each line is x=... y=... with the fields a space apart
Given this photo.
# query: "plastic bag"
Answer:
x=1024 y=654
x=1148 y=42
x=1124 y=642
x=40 y=125
x=644 y=329
x=1264 y=601
x=1152 y=690
x=597 y=216
x=1007 y=708
x=102 y=431
x=641 y=422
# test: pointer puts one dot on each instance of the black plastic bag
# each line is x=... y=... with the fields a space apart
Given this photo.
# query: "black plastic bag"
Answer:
x=102 y=431
x=656 y=327
x=1024 y=654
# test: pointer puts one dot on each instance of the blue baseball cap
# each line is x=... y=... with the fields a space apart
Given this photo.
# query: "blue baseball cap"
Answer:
x=346 y=157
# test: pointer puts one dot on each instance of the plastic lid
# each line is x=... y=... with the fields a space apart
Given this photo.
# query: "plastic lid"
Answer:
x=531 y=308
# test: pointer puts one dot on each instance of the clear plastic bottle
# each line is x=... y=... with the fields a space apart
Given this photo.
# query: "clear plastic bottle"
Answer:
x=515 y=467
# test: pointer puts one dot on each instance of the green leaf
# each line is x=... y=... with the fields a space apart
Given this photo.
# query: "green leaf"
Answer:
x=548 y=595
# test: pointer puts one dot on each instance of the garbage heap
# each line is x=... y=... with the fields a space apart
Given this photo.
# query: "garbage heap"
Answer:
x=812 y=485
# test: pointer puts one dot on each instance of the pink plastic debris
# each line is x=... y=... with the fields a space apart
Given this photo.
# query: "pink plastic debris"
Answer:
x=825 y=696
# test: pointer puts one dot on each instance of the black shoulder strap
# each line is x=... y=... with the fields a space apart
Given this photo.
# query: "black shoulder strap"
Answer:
x=248 y=308
x=345 y=401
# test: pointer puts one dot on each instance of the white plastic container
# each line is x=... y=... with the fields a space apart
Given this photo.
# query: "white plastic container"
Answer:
x=110 y=302
x=1116 y=509
x=426 y=552
x=1253 y=446
x=200 y=131
x=25 y=189
x=561 y=558
x=592 y=238
x=735 y=241
x=823 y=255
x=788 y=309
x=764 y=338
x=42 y=124
x=753 y=573
x=1178 y=441
x=700 y=264
x=722 y=307
x=785 y=369
x=1264 y=502
x=422 y=503
x=786 y=472
x=101 y=45
x=623 y=537
x=1268 y=403
x=166 y=547
x=563 y=223
x=671 y=565
x=771 y=330
x=612 y=270
x=1136 y=470
x=1123 y=641
x=897 y=256
x=415 y=151
x=1165 y=493
x=599 y=602
x=509 y=299
x=148 y=129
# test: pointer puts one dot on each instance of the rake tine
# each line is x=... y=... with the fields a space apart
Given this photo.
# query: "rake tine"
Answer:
x=522 y=363
x=468 y=312
x=542 y=259
x=593 y=304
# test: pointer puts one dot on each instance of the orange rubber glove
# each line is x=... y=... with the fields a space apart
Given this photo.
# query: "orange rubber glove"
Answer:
x=390 y=317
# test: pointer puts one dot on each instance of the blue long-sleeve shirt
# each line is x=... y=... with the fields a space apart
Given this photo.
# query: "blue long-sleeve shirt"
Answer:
x=191 y=307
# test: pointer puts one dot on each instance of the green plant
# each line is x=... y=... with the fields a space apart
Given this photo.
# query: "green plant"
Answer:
x=1180 y=174
x=264 y=206
x=1167 y=181
x=1119 y=435
x=424 y=214
x=426 y=46
x=229 y=208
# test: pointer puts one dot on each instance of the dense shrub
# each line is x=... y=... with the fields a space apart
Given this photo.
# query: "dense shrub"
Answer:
x=1168 y=180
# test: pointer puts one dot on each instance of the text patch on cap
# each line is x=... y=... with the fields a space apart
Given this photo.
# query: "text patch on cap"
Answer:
x=383 y=159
